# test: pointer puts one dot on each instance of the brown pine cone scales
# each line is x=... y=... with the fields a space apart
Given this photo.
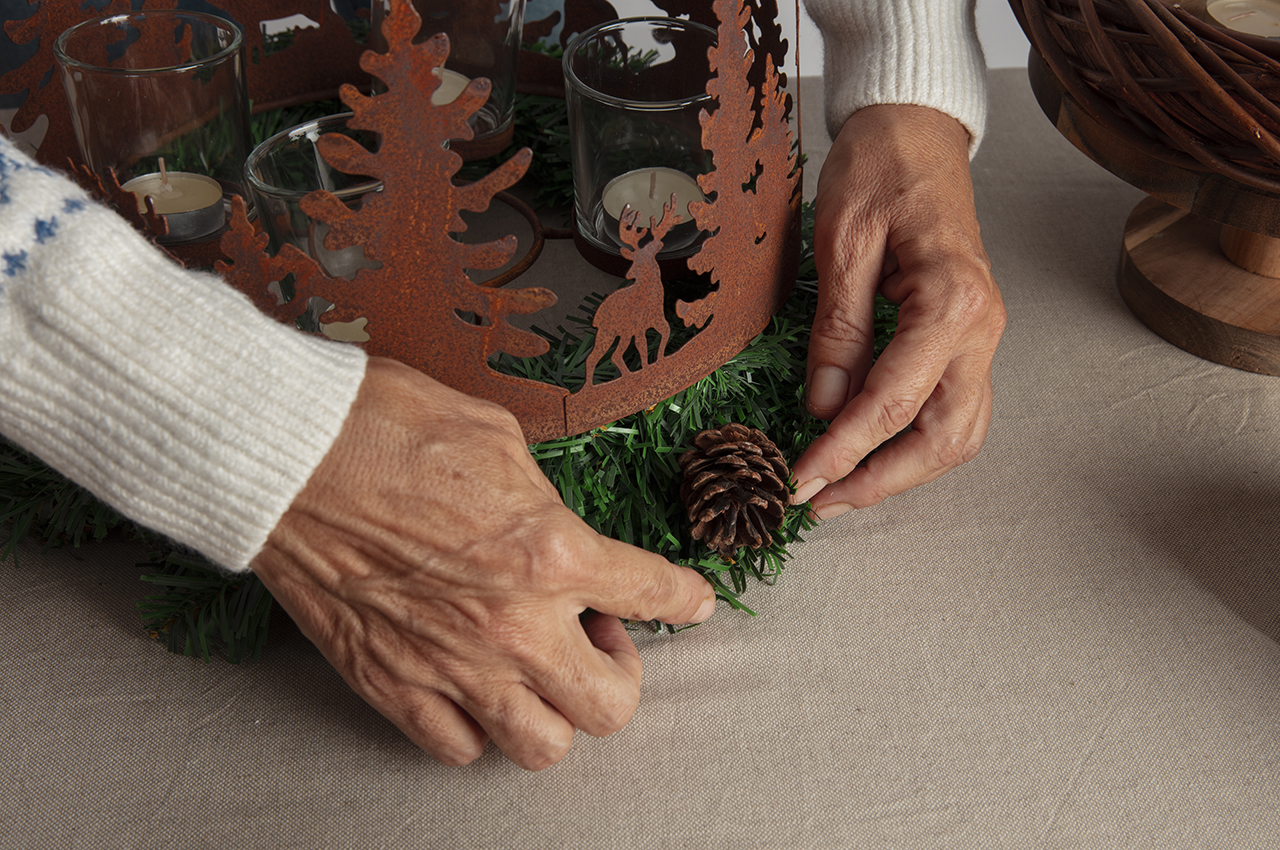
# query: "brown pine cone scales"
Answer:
x=734 y=487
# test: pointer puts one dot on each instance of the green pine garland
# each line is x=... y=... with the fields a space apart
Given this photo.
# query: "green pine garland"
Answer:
x=620 y=478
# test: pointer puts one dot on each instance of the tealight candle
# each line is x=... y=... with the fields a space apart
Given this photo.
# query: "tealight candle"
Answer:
x=190 y=203
x=451 y=85
x=635 y=134
x=180 y=73
x=1251 y=17
x=645 y=190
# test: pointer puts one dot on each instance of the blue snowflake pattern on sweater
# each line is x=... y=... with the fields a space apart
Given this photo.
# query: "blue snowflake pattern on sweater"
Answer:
x=22 y=233
x=46 y=230
x=14 y=263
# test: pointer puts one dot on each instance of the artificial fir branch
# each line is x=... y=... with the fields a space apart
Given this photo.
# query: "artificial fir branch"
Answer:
x=38 y=501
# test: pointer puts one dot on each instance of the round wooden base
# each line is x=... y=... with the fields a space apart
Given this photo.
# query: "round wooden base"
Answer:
x=1175 y=278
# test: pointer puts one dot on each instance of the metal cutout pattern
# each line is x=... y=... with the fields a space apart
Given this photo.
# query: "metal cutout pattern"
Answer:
x=420 y=306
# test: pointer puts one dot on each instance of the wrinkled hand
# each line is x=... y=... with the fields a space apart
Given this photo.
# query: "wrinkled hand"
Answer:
x=436 y=568
x=895 y=214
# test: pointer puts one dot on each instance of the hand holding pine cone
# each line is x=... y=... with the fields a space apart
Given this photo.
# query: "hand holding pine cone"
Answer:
x=734 y=487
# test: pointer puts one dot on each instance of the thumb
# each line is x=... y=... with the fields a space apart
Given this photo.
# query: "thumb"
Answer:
x=643 y=586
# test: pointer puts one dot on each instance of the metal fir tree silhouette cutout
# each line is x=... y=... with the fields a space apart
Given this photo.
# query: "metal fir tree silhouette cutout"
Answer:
x=422 y=308
x=420 y=305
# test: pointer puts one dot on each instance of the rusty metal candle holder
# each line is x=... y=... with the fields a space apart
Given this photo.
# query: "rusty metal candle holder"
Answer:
x=421 y=306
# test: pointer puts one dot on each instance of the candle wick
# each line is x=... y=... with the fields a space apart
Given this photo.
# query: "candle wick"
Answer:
x=164 y=176
x=653 y=184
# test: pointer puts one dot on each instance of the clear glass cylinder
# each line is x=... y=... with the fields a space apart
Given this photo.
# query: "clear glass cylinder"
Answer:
x=484 y=41
x=634 y=89
x=158 y=98
x=286 y=168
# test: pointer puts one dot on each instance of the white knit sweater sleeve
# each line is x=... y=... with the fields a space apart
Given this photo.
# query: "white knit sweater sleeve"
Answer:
x=162 y=391
x=922 y=52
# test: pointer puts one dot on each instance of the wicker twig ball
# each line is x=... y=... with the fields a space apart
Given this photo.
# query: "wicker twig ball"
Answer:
x=1167 y=79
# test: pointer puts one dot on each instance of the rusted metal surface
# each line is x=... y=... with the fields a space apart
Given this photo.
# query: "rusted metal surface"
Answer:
x=107 y=189
x=421 y=307
x=39 y=78
x=540 y=236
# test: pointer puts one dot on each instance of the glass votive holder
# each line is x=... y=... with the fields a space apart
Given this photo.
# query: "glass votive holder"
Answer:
x=484 y=41
x=634 y=89
x=158 y=100
x=286 y=168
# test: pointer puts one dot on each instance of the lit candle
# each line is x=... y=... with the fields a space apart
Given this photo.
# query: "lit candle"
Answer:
x=190 y=203
x=451 y=85
x=1252 y=17
x=646 y=190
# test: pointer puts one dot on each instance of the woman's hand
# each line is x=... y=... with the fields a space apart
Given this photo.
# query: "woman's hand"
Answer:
x=895 y=215
x=436 y=568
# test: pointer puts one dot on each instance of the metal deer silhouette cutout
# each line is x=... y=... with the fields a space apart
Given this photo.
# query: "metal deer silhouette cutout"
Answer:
x=629 y=314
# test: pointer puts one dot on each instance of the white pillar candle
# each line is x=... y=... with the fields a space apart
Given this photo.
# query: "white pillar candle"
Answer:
x=1252 y=17
x=451 y=85
x=190 y=203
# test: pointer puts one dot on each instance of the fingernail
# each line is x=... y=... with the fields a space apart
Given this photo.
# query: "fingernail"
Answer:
x=708 y=608
x=828 y=388
x=807 y=491
x=833 y=510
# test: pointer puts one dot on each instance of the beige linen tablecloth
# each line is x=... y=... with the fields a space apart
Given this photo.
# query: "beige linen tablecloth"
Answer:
x=1073 y=641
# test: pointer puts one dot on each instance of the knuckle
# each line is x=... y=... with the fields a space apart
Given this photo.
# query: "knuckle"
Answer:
x=549 y=752
x=840 y=326
x=872 y=494
x=971 y=451
x=845 y=457
x=950 y=451
x=895 y=414
x=975 y=303
x=970 y=303
x=555 y=556
x=613 y=721
x=458 y=756
x=655 y=591
x=614 y=712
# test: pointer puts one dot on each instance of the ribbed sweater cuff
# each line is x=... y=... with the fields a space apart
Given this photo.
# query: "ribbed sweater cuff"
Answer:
x=162 y=391
x=922 y=52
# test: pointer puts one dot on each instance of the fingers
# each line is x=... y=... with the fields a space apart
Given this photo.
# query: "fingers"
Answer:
x=595 y=681
x=948 y=431
x=438 y=726
x=643 y=586
x=894 y=392
x=895 y=215
x=527 y=728
x=843 y=332
x=587 y=678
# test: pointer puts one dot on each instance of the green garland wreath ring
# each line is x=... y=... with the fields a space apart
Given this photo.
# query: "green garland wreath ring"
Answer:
x=620 y=478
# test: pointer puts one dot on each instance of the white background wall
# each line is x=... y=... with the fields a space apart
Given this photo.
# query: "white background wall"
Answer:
x=1002 y=39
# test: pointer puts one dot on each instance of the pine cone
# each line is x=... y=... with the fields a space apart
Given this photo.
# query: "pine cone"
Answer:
x=734 y=487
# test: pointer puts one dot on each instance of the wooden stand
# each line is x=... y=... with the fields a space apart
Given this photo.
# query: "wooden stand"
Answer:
x=1178 y=281
x=1174 y=274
